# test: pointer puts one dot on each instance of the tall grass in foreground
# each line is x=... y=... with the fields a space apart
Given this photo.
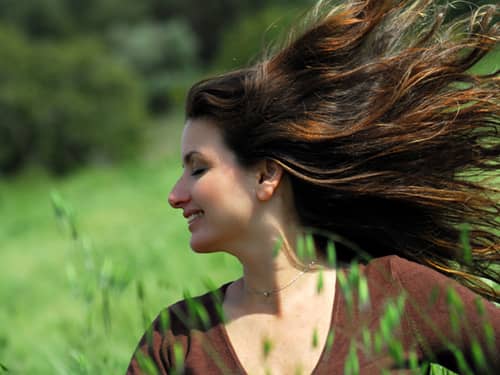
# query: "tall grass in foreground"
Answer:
x=354 y=286
x=97 y=281
x=69 y=301
x=77 y=293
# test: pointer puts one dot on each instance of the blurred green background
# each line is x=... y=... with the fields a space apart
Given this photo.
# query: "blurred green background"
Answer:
x=91 y=112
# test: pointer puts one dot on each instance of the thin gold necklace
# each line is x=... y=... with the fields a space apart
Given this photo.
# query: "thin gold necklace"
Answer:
x=267 y=293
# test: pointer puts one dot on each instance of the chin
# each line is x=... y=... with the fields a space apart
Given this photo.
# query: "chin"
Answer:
x=203 y=246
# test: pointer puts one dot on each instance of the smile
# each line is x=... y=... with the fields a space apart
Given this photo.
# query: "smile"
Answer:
x=194 y=216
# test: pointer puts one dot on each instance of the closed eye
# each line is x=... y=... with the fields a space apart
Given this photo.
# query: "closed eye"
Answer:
x=198 y=171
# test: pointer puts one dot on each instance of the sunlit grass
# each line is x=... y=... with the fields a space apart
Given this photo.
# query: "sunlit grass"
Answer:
x=72 y=305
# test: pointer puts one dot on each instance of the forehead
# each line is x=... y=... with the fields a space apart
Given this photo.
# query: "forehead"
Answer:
x=203 y=136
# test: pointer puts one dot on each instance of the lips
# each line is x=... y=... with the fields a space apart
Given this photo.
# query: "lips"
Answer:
x=189 y=212
x=194 y=216
x=191 y=215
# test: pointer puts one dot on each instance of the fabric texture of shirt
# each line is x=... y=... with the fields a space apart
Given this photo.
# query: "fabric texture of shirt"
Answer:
x=392 y=316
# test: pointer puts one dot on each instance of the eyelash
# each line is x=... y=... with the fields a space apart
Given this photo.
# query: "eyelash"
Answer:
x=198 y=171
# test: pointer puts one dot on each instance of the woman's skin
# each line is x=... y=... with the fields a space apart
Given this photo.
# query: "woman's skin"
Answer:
x=245 y=212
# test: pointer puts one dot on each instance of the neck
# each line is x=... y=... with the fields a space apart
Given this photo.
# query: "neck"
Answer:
x=273 y=278
x=270 y=282
x=266 y=270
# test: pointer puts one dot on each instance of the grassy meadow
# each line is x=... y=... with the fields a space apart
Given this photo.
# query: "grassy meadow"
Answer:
x=75 y=300
x=87 y=261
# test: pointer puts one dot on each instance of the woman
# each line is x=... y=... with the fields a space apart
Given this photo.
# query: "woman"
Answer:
x=366 y=138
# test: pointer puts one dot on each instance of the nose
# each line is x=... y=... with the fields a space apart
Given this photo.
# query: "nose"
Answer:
x=179 y=195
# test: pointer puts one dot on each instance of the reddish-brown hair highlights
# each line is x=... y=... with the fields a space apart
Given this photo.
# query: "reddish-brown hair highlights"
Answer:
x=385 y=134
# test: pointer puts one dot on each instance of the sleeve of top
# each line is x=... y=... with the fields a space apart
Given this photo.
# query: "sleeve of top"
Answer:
x=148 y=357
x=159 y=350
x=452 y=325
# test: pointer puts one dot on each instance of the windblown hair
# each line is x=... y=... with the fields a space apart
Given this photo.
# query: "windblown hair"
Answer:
x=389 y=139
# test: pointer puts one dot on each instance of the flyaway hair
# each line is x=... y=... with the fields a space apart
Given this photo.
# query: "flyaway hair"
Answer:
x=389 y=138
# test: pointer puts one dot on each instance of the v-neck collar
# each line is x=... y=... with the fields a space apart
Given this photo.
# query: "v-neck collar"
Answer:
x=322 y=361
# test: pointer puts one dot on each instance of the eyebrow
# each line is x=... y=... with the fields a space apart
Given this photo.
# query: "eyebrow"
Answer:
x=189 y=156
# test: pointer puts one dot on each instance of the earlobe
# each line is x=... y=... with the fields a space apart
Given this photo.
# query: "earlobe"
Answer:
x=270 y=175
x=264 y=194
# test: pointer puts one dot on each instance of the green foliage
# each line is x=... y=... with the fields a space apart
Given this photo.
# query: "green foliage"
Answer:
x=331 y=254
x=38 y=17
x=277 y=247
x=53 y=282
x=64 y=103
x=66 y=18
x=364 y=293
x=456 y=309
x=98 y=15
x=320 y=283
x=91 y=298
x=164 y=321
x=208 y=19
x=478 y=356
x=329 y=340
x=267 y=347
x=178 y=359
x=164 y=54
x=242 y=43
x=155 y=46
x=116 y=215
x=315 y=339
x=352 y=362
x=146 y=364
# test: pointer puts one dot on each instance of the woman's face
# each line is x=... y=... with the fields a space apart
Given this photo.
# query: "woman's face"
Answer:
x=216 y=194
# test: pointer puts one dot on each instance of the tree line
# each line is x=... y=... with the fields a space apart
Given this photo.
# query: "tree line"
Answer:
x=79 y=79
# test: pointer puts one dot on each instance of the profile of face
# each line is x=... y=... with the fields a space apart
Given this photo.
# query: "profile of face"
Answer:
x=216 y=194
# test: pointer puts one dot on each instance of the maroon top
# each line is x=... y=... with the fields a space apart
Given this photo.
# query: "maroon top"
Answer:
x=413 y=315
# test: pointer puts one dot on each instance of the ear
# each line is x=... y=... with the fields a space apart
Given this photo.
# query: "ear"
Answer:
x=269 y=175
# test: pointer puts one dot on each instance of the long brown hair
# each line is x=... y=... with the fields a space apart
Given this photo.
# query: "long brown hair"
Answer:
x=388 y=138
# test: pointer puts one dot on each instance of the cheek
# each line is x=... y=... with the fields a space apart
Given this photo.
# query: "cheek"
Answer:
x=207 y=191
x=226 y=195
x=229 y=208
